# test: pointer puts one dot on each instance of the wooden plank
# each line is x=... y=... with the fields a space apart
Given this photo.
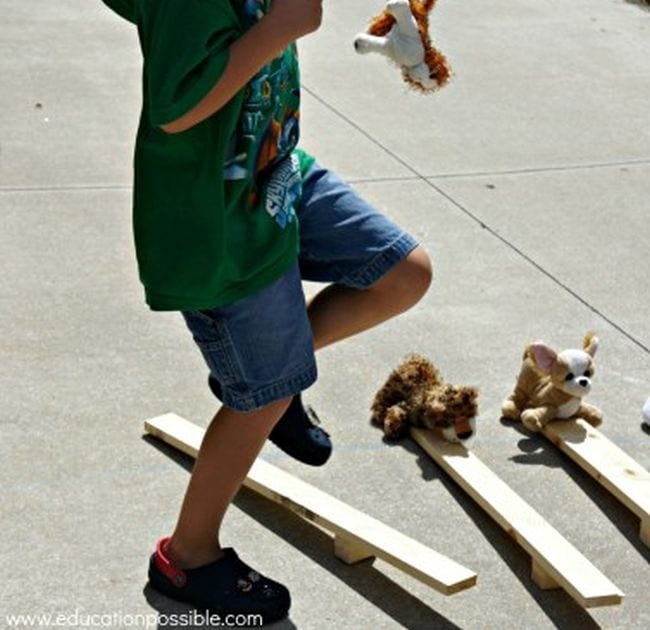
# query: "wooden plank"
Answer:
x=555 y=562
x=627 y=480
x=357 y=536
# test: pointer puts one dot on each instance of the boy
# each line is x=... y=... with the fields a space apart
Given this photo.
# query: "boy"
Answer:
x=229 y=216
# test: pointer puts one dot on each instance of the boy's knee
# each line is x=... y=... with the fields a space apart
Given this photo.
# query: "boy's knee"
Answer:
x=420 y=270
x=410 y=279
x=415 y=275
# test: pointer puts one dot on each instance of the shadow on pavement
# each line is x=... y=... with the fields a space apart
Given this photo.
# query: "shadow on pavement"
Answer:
x=538 y=450
x=643 y=4
x=370 y=583
x=559 y=607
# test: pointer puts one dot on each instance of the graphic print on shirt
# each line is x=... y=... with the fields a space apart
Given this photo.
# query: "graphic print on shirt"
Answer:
x=268 y=130
x=253 y=10
x=283 y=190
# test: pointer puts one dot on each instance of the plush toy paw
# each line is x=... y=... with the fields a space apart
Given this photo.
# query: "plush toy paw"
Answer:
x=395 y=422
x=510 y=411
x=531 y=421
x=590 y=414
x=595 y=421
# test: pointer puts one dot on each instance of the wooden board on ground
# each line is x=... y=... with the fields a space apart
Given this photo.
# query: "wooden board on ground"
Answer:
x=357 y=536
x=555 y=562
x=627 y=480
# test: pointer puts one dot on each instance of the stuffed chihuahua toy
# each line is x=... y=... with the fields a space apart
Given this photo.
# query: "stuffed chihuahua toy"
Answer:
x=552 y=385
x=401 y=33
x=415 y=394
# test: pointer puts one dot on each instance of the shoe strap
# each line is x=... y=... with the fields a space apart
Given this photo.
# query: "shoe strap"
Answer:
x=313 y=418
x=176 y=576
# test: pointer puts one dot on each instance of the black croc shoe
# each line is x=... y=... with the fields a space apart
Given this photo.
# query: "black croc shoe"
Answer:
x=297 y=432
x=227 y=586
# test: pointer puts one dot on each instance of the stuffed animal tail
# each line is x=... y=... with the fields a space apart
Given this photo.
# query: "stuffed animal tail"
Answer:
x=382 y=23
x=422 y=6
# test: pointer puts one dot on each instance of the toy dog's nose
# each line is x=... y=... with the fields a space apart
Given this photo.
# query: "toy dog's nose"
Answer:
x=463 y=428
x=583 y=382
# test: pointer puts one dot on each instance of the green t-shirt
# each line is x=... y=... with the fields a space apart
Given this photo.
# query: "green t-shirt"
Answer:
x=214 y=206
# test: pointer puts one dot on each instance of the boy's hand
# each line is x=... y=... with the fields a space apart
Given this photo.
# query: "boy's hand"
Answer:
x=296 y=18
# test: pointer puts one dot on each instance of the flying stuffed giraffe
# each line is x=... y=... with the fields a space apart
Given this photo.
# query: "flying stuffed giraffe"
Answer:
x=401 y=33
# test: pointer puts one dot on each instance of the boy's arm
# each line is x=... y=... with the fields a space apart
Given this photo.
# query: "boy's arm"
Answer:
x=286 y=21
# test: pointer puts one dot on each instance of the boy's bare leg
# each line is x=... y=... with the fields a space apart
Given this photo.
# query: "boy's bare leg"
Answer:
x=229 y=448
x=338 y=312
x=233 y=439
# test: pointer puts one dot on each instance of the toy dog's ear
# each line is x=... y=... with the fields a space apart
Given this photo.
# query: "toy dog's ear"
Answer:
x=590 y=343
x=543 y=356
x=470 y=394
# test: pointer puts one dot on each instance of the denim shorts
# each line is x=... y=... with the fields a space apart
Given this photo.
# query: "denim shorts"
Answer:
x=260 y=348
